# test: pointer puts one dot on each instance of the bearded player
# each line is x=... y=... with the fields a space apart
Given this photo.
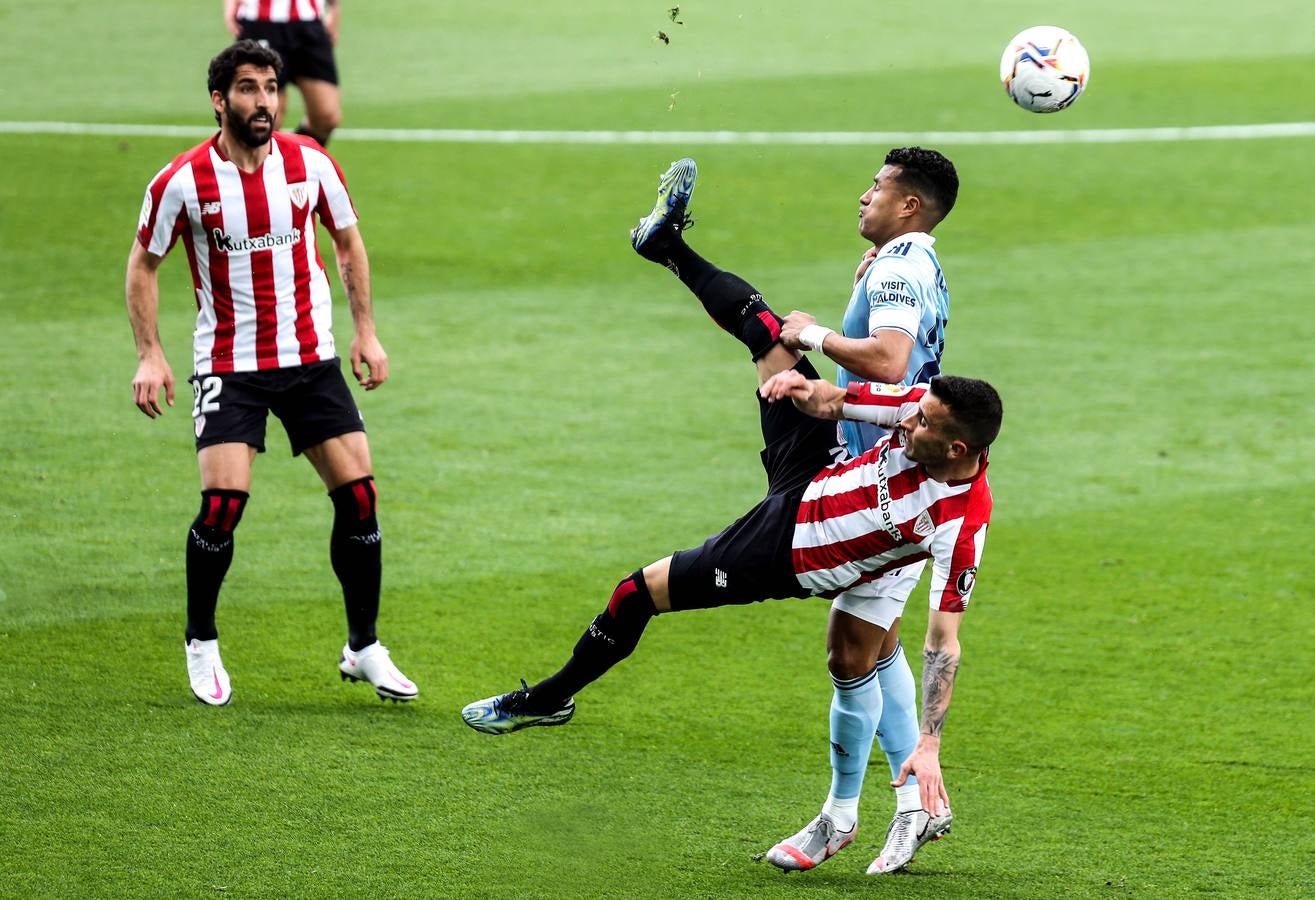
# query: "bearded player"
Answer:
x=244 y=204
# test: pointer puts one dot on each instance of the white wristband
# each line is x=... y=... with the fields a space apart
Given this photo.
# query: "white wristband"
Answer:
x=812 y=336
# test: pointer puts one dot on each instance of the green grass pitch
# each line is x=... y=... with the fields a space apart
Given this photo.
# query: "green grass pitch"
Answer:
x=1135 y=711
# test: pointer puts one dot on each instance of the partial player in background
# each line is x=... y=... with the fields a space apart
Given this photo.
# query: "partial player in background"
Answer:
x=303 y=33
x=245 y=204
x=893 y=332
x=826 y=527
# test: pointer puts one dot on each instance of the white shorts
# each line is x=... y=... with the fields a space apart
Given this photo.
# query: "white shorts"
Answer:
x=881 y=602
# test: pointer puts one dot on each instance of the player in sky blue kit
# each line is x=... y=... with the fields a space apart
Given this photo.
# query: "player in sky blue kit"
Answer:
x=893 y=332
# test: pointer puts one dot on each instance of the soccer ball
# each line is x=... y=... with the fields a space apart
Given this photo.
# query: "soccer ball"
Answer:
x=1044 y=69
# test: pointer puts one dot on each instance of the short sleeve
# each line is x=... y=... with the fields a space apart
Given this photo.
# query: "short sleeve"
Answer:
x=163 y=215
x=335 y=207
x=892 y=302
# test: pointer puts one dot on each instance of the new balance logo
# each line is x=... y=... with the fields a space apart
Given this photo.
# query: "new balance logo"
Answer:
x=211 y=208
x=719 y=578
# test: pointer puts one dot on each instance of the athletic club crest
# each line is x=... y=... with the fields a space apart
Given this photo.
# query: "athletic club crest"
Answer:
x=964 y=583
x=199 y=423
x=923 y=525
x=297 y=194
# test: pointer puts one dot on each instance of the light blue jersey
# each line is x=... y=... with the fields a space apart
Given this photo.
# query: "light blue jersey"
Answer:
x=903 y=289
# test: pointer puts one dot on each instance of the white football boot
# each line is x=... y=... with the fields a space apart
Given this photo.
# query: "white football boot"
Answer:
x=206 y=673
x=908 y=831
x=819 y=841
x=373 y=664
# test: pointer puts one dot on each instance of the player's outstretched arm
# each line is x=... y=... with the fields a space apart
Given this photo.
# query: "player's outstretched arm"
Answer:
x=142 y=289
x=354 y=269
x=883 y=357
x=817 y=398
x=940 y=663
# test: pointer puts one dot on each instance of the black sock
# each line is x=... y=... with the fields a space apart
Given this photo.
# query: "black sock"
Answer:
x=731 y=301
x=689 y=267
x=354 y=550
x=610 y=638
x=209 y=554
x=738 y=308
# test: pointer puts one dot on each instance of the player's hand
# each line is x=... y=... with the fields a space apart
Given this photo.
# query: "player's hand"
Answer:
x=331 y=23
x=865 y=262
x=786 y=384
x=153 y=373
x=790 y=328
x=370 y=352
x=230 y=18
x=925 y=763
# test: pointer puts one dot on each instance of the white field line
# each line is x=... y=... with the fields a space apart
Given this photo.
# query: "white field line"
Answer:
x=812 y=138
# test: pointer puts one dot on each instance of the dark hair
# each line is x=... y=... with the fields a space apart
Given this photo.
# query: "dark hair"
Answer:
x=929 y=174
x=974 y=406
x=223 y=67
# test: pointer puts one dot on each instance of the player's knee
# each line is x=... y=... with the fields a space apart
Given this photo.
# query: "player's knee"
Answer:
x=221 y=511
x=847 y=658
x=355 y=506
x=324 y=121
x=631 y=598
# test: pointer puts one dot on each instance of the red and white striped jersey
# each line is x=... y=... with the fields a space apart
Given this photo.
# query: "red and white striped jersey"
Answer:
x=262 y=294
x=881 y=511
x=280 y=10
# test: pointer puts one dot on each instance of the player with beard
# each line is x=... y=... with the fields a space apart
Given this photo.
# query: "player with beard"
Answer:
x=245 y=203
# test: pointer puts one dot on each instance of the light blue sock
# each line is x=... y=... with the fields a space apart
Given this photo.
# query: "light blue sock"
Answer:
x=897 y=728
x=855 y=709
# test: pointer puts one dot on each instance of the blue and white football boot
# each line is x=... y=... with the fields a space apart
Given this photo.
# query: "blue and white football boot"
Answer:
x=669 y=218
x=510 y=712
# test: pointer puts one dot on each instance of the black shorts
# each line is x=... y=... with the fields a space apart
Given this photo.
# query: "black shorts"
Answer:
x=305 y=48
x=750 y=561
x=313 y=402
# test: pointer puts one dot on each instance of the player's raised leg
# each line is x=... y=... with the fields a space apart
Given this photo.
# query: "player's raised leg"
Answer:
x=355 y=550
x=225 y=485
x=729 y=300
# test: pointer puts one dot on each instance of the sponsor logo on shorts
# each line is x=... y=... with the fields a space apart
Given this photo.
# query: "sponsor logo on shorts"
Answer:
x=967 y=578
x=719 y=578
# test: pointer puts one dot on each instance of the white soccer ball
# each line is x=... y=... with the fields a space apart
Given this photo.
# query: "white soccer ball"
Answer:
x=1044 y=69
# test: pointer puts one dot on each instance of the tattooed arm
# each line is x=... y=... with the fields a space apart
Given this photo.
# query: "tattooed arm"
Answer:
x=354 y=269
x=940 y=663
